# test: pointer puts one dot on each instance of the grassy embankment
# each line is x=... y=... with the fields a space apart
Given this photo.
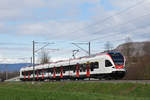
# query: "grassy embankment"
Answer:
x=74 y=91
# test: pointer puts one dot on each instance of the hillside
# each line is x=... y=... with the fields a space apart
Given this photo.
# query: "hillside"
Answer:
x=135 y=49
x=137 y=59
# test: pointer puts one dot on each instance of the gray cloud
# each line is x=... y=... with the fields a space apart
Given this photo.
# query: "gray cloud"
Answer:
x=65 y=29
x=61 y=20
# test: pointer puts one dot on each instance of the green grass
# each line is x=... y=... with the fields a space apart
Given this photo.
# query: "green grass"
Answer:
x=74 y=91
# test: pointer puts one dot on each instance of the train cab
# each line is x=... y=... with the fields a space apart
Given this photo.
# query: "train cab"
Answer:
x=116 y=64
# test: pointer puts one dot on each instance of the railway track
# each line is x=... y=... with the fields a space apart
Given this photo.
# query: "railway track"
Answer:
x=100 y=81
x=118 y=81
x=87 y=80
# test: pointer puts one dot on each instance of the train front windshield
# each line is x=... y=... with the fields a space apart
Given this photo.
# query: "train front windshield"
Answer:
x=117 y=58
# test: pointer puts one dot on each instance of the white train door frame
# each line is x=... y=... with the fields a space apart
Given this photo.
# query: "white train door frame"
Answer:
x=102 y=66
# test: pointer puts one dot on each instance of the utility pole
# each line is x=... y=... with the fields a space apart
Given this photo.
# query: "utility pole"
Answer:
x=33 y=60
x=86 y=51
x=6 y=72
x=89 y=48
x=33 y=54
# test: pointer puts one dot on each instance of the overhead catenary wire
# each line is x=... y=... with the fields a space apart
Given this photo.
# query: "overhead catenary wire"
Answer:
x=120 y=35
x=113 y=28
x=139 y=2
x=120 y=25
x=111 y=16
x=131 y=31
x=127 y=31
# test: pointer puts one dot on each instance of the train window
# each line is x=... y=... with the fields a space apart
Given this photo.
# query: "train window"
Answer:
x=95 y=65
x=44 y=73
x=48 y=70
x=35 y=72
x=92 y=66
x=72 y=68
x=40 y=72
x=81 y=68
x=108 y=63
x=30 y=72
x=84 y=67
x=67 y=68
x=92 y=69
x=25 y=73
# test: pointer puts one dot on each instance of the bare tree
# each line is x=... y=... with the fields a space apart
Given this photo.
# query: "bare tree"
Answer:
x=128 y=47
x=146 y=48
x=44 y=57
x=128 y=51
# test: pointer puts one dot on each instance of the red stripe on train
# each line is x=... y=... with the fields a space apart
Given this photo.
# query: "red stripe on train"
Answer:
x=61 y=72
x=43 y=74
x=77 y=70
x=49 y=75
x=88 y=70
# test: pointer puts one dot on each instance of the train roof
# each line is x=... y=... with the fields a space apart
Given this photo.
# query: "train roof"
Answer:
x=73 y=61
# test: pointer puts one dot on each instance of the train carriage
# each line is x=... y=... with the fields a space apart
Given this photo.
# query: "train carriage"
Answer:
x=109 y=65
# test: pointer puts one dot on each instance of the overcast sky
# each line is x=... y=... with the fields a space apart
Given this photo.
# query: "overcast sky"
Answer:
x=67 y=21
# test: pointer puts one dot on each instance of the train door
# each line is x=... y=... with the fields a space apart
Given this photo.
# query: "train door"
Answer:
x=54 y=73
x=88 y=69
x=61 y=72
x=77 y=70
x=102 y=66
x=24 y=75
x=43 y=74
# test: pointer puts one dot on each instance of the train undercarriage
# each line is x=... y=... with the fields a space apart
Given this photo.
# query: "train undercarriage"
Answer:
x=111 y=76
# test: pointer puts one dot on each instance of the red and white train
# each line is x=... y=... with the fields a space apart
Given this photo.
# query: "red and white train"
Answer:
x=109 y=65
